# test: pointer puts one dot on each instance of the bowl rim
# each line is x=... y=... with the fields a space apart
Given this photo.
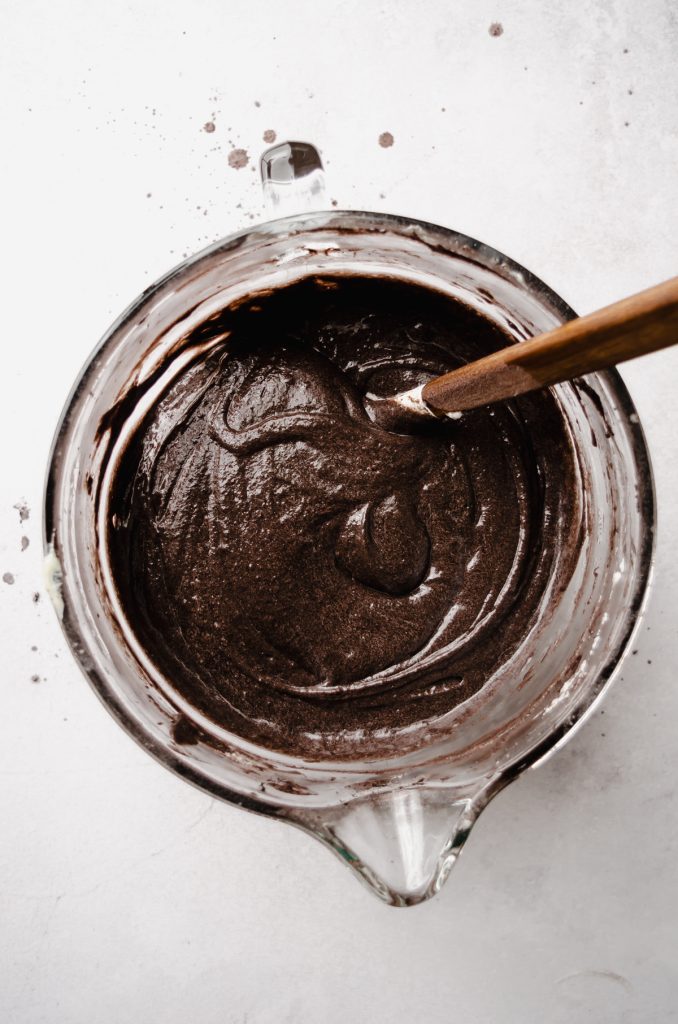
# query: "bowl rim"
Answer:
x=478 y=252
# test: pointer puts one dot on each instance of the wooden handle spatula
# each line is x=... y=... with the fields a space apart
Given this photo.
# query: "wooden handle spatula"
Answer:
x=643 y=323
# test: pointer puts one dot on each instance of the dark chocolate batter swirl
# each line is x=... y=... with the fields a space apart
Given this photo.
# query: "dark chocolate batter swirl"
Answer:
x=303 y=576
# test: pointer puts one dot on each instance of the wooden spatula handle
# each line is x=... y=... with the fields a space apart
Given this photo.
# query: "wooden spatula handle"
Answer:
x=633 y=327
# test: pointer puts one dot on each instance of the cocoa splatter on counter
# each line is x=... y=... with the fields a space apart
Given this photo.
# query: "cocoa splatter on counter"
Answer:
x=496 y=29
x=209 y=127
x=8 y=577
x=24 y=543
x=35 y=678
x=386 y=140
x=238 y=158
x=257 y=103
x=269 y=135
x=23 y=510
x=36 y=597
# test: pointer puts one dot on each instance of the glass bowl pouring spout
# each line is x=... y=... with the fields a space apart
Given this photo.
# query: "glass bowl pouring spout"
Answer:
x=401 y=844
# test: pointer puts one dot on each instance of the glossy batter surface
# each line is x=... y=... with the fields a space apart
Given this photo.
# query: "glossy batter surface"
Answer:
x=308 y=579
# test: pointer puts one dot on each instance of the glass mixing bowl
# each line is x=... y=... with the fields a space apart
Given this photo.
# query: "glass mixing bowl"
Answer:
x=398 y=823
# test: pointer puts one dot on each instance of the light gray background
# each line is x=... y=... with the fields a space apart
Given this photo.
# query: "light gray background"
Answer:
x=125 y=895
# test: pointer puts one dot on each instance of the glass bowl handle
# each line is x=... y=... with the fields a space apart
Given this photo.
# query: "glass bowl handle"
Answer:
x=293 y=178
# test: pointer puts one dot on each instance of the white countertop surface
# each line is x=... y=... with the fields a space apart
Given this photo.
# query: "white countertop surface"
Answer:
x=127 y=895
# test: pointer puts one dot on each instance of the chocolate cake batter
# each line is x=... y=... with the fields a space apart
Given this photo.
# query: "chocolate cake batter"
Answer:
x=303 y=576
